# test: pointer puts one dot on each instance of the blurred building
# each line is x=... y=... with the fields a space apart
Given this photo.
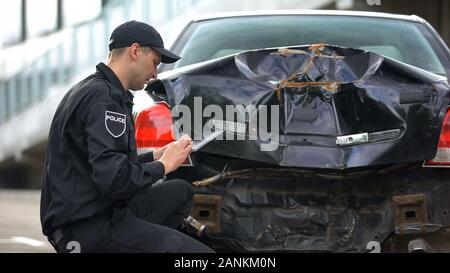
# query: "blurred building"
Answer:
x=51 y=44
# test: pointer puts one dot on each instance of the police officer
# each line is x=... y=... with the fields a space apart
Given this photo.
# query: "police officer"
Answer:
x=98 y=195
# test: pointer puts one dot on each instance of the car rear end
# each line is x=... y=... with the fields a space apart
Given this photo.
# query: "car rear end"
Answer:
x=361 y=150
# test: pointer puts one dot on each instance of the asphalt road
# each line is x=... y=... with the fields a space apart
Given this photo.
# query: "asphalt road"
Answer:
x=20 y=229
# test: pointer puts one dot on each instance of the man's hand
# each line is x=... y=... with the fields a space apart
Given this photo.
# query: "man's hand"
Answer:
x=157 y=154
x=175 y=153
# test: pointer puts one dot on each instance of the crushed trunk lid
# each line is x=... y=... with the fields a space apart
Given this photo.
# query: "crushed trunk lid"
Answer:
x=338 y=107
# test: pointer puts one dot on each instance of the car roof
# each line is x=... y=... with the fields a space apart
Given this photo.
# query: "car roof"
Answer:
x=213 y=16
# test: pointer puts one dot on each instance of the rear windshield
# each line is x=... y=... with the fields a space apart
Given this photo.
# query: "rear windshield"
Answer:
x=401 y=40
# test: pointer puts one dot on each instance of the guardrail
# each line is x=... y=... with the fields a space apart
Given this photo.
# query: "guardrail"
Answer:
x=87 y=45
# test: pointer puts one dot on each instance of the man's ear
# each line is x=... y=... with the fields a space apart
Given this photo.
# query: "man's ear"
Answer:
x=134 y=51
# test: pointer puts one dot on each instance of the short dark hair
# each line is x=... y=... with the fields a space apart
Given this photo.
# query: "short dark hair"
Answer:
x=117 y=52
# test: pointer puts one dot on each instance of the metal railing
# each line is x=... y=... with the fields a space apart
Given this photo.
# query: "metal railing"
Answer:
x=87 y=45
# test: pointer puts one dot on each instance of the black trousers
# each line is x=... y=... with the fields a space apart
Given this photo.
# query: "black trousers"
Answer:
x=147 y=224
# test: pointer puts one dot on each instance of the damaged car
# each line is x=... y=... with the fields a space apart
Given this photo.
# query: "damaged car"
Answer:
x=333 y=130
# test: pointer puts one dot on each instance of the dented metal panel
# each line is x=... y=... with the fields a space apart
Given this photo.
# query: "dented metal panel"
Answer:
x=324 y=93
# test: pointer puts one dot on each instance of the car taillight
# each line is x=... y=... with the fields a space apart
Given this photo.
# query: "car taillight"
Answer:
x=442 y=158
x=154 y=127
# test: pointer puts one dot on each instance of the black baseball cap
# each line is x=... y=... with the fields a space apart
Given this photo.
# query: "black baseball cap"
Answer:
x=145 y=35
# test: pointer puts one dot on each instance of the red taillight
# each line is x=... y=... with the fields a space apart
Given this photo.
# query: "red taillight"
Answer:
x=442 y=158
x=153 y=127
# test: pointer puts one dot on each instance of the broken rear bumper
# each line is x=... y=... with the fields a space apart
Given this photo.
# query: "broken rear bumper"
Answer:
x=294 y=210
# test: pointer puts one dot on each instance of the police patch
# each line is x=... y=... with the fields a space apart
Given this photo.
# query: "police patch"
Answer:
x=115 y=123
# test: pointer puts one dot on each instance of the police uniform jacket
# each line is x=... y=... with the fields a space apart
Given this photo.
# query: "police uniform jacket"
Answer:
x=91 y=164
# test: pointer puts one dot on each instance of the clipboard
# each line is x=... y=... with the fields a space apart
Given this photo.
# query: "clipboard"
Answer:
x=198 y=144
